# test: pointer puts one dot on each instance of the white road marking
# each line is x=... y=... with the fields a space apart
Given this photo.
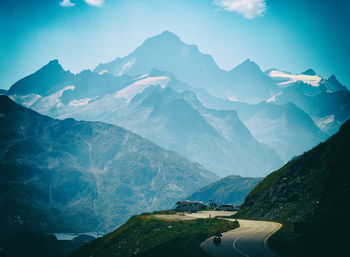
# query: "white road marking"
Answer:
x=234 y=244
x=268 y=236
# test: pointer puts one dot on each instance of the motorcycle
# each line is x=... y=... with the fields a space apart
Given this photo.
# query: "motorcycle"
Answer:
x=217 y=240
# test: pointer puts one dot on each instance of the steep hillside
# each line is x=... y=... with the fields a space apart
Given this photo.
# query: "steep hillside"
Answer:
x=230 y=190
x=307 y=188
x=77 y=176
x=312 y=192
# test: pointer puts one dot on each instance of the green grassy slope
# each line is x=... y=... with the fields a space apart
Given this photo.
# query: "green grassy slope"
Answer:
x=147 y=235
x=313 y=190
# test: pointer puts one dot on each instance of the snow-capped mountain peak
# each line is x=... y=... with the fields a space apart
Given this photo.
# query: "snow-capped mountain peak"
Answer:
x=288 y=79
x=139 y=86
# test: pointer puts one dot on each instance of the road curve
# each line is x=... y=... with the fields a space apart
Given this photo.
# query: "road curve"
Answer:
x=249 y=240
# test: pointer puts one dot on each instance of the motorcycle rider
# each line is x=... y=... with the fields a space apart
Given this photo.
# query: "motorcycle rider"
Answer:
x=218 y=234
x=217 y=238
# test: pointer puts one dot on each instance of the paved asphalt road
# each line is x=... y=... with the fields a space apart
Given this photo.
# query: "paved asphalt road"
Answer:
x=248 y=241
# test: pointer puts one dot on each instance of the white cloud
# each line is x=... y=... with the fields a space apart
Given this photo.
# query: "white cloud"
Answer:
x=97 y=3
x=248 y=8
x=66 y=3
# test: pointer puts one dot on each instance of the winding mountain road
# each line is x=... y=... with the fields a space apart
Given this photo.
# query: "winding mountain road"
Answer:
x=249 y=240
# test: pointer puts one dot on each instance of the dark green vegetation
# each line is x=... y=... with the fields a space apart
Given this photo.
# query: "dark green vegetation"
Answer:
x=146 y=235
x=77 y=176
x=29 y=244
x=230 y=190
x=311 y=196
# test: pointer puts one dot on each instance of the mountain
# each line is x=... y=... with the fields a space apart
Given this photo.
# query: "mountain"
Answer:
x=3 y=92
x=329 y=110
x=78 y=176
x=167 y=52
x=179 y=122
x=306 y=80
x=286 y=123
x=228 y=190
x=285 y=128
x=332 y=84
x=160 y=108
x=51 y=86
x=43 y=82
x=249 y=84
x=326 y=101
x=309 y=72
x=312 y=191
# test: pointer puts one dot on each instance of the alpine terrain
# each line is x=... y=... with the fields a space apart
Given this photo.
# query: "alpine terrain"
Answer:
x=79 y=176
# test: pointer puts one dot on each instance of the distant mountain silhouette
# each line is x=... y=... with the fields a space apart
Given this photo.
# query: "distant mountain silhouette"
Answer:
x=167 y=52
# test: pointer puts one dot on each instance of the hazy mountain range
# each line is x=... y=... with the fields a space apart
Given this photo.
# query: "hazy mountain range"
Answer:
x=79 y=176
x=194 y=119
x=156 y=106
x=243 y=121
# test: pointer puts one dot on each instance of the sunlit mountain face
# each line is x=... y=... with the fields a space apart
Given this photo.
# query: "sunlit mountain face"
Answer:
x=244 y=121
x=110 y=109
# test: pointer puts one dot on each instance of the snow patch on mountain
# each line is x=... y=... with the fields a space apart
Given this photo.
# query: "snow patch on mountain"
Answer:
x=27 y=100
x=325 y=121
x=143 y=76
x=103 y=72
x=81 y=102
x=127 y=66
x=311 y=80
x=139 y=86
x=42 y=102
x=60 y=92
x=54 y=99
x=273 y=98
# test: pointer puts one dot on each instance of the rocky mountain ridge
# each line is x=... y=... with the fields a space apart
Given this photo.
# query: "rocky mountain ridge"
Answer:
x=78 y=176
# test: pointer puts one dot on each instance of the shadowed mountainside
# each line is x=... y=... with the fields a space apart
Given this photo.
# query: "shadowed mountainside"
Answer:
x=311 y=192
x=77 y=176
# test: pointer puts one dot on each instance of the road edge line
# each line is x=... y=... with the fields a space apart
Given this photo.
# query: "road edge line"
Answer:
x=234 y=245
x=267 y=238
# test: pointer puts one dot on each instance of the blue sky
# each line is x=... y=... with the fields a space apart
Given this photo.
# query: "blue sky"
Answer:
x=291 y=35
